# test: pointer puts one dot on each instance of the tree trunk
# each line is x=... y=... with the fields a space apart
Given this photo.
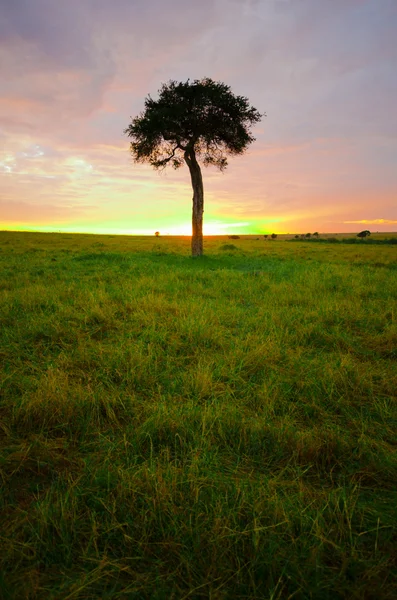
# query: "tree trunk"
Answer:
x=198 y=203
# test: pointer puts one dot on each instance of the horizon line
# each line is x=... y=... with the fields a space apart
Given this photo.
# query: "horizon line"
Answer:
x=184 y=235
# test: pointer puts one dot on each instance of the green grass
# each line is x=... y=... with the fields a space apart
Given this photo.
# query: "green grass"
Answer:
x=218 y=428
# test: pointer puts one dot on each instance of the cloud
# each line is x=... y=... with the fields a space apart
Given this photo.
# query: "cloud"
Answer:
x=60 y=59
x=374 y=222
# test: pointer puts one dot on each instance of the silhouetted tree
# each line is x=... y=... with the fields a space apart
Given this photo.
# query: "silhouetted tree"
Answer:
x=297 y=237
x=273 y=236
x=364 y=234
x=308 y=235
x=265 y=236
x=315 y=234
x=157 y=234
x=193 y=122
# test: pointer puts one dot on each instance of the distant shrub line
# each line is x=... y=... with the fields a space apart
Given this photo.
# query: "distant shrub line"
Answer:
x=333 y=240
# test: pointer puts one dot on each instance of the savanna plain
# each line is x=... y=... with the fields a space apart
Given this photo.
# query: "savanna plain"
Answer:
x=221 y=427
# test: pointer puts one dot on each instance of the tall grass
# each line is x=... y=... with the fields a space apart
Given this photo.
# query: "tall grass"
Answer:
x=214 y=428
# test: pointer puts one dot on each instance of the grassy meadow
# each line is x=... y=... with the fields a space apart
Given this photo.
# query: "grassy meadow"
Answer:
x=173 y=428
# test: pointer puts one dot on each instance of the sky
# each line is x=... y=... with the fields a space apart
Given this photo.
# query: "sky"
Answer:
x=73 y=73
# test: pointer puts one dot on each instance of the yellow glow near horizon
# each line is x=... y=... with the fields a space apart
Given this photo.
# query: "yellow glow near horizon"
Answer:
x=165 y=228
x=208 y=228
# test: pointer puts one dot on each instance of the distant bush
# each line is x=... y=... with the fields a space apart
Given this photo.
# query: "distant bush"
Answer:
x=157 y=233
x=334 y=240
x=308 y=235
x=266 y=236
x=350 y=241
x=233 y=237
x=392 y=240
x=300 y=238
x=228 y=247
x=371 y=242
x=364 y=234
x=273 y=236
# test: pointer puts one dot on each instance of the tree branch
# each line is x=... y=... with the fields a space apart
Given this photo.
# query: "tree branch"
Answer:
x=163 y=162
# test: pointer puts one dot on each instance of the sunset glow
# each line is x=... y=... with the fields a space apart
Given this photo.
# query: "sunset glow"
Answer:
x=324 y=158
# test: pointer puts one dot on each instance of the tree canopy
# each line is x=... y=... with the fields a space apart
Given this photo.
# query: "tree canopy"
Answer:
x=203 y=115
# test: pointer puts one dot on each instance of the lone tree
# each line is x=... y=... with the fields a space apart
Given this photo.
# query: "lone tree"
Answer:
x=157 y=233
x=364 y=234
x=273 y=236
x=193 y=122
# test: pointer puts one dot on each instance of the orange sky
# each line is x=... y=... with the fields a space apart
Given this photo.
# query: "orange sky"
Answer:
x=72 y=76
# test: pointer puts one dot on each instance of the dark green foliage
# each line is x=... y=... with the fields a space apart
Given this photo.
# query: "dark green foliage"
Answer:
x=204 y=115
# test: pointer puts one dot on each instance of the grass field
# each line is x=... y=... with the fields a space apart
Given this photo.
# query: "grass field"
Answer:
x=175 y=428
